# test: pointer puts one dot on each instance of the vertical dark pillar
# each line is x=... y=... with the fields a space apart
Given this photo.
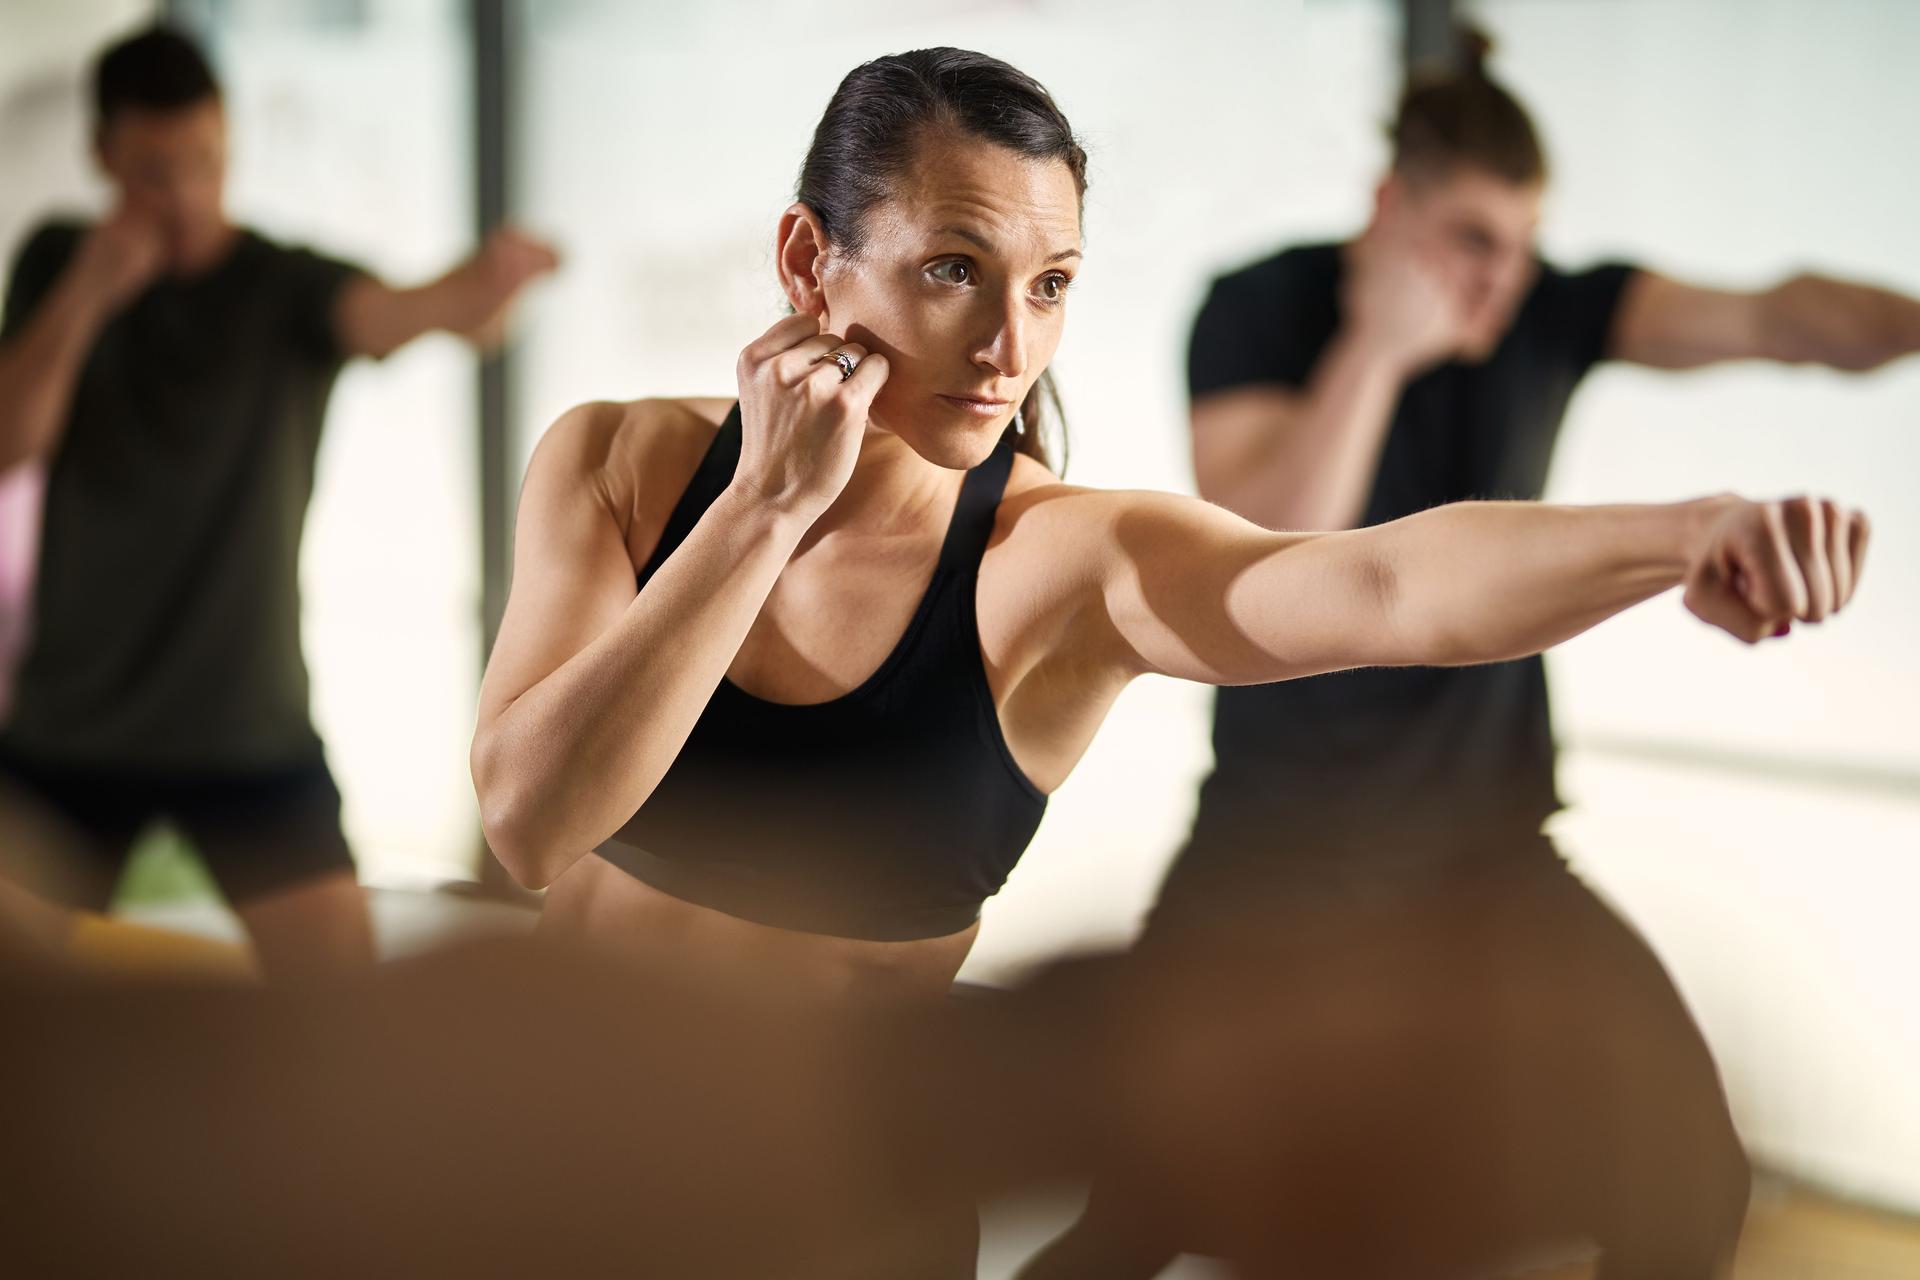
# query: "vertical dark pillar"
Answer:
x=493 y=182
x=1429 y=34
x=494 y=111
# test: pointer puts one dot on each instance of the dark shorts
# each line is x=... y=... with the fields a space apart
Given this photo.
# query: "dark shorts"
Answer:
x=258 y=831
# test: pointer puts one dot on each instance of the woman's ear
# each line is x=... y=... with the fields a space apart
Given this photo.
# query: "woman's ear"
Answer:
x=800 y=254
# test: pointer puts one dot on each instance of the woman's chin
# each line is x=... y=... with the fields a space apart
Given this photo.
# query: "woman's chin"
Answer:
x=957 y=445
x=959 y=450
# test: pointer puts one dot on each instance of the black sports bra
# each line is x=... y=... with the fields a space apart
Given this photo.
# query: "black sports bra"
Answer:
x=889 y=813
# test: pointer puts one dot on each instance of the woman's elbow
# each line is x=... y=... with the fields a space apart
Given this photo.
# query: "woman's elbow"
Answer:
x=511 y=823
x=515 y=843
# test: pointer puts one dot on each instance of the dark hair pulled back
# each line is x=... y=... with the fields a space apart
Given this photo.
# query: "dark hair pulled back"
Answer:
x=867 y=139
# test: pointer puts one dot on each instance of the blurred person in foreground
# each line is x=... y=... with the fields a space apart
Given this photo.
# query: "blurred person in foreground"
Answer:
x=1409 y=1106
x=171 y=370
x=1429 y=360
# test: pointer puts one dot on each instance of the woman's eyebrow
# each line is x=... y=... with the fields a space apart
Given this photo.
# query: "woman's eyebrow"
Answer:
x=1059 y=255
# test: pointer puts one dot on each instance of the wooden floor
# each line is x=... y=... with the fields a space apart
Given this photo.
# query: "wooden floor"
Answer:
x=1797 y=1235
x=1791 y=1235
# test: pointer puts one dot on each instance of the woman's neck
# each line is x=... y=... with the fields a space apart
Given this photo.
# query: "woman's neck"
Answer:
x=892 y=491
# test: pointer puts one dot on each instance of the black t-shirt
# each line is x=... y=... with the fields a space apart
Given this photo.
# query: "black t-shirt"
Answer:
x=166 y=629
x=1360 y=772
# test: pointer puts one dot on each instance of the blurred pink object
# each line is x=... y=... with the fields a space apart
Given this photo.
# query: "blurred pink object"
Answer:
x=21 y=490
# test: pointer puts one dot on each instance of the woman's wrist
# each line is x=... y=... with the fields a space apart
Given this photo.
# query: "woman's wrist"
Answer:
x=783 y=517
x=1699 y=518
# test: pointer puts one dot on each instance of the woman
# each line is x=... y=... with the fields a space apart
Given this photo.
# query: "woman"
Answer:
x=783 y=685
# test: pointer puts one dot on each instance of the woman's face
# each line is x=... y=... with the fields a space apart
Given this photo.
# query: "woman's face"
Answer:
x=962 y=285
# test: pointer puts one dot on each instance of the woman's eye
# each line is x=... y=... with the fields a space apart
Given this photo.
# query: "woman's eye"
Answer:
x=1054 y=288
x=952 y=272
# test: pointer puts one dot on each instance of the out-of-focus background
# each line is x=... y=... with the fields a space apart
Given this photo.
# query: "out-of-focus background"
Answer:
x=1756 y=813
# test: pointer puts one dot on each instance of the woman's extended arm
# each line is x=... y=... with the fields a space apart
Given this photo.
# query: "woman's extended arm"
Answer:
x=1190 y=590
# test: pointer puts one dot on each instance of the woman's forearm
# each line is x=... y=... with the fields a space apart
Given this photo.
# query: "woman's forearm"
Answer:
x=568 y=761
x=1489 y=581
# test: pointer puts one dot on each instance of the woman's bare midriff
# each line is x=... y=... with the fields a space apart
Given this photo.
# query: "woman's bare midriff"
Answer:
x=600 y=906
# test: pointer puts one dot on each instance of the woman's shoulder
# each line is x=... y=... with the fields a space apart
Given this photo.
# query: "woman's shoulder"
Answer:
x=1047 y=516
x=1038 y=507
x=636 y=455
x=1031 y=487
x=642 y=433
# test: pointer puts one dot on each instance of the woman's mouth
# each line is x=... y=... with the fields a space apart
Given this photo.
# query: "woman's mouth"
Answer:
x=981 y=405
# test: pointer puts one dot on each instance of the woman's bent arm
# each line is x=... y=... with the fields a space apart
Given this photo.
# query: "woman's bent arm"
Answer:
x=593 y=687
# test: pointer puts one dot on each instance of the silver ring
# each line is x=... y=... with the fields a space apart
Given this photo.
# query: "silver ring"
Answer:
x=846 y=362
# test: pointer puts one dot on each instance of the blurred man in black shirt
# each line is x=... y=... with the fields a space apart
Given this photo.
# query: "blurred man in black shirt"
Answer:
x=171 y=370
